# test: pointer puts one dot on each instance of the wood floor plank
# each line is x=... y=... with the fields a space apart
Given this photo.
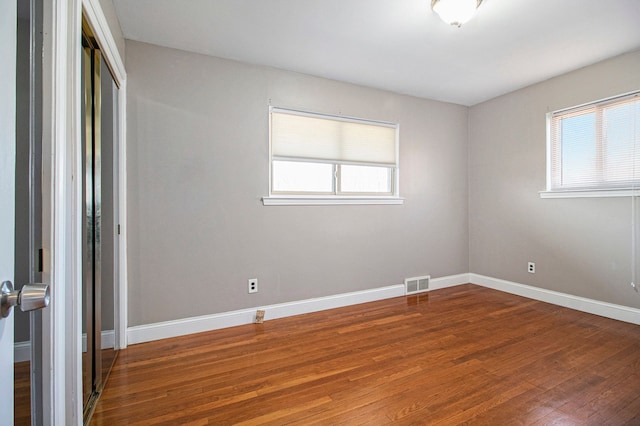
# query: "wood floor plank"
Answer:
x=461 y=355
x=22 y=393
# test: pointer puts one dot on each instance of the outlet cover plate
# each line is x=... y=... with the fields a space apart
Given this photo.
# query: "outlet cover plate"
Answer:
x=531 y=268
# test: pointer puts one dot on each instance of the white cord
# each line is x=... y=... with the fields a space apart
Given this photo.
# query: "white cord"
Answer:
x=634 y=231
x=633 y=240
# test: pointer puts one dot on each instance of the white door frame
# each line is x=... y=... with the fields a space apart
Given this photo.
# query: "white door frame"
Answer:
x=97 y=21
x=62 y=198
x=60 y=240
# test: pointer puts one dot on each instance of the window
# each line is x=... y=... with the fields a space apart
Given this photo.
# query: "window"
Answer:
x=595 y=147
x=323 y=159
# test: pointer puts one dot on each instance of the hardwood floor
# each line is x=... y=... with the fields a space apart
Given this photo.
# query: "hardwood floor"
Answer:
x=465 y=354
x=22 y=393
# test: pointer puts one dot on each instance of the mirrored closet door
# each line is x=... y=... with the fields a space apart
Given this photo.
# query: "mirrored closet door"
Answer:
x=99 y=230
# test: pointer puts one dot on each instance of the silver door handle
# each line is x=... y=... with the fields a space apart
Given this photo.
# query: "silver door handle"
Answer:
x=30 y=298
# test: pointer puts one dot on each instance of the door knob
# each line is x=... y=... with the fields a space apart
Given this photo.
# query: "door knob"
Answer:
x=31 y=297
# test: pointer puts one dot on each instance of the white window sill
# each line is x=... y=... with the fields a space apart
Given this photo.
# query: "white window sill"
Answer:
x=329 y=201
x=596 y=193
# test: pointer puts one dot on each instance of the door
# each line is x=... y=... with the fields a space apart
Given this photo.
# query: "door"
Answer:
x=18 y=110
x=28 y=256
x=99 y=229
x=8 y=19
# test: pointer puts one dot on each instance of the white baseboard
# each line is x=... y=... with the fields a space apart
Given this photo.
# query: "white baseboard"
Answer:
x=163 y=330
x=22 y=350
x=604 y=309
x=448 y=281
x=181 y=327
x=107 y=342
x=108 y=339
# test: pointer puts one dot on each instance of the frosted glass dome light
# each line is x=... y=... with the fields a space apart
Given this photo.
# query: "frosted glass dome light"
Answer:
x=455 y=12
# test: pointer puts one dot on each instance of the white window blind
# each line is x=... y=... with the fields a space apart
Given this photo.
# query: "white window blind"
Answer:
x=317 y=138
x=596 y=146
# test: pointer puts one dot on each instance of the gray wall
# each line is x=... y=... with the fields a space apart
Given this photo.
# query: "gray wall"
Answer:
x=580 y=246
x=198 y=165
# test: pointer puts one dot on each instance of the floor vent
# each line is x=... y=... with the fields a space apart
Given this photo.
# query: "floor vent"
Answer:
x=416 y=284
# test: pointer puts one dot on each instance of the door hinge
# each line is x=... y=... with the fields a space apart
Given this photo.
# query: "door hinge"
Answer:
x=118 y=229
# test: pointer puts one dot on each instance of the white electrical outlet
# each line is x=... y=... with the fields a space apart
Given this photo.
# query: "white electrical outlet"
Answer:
x=253 y=285
x=531 y=268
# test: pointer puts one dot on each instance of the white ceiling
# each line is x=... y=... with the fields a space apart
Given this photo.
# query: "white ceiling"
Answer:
x=397 y=45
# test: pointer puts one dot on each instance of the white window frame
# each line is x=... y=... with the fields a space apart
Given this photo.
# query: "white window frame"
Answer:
x=632 y=189
x=336 y=198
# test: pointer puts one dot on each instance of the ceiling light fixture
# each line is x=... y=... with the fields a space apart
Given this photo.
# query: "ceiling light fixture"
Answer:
x=455 y=12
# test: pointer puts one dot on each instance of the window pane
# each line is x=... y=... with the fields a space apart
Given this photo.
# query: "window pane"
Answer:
x=579 y=149
x=291 y=176
x=620 y=124
x=596 y=146
x=365 y=179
